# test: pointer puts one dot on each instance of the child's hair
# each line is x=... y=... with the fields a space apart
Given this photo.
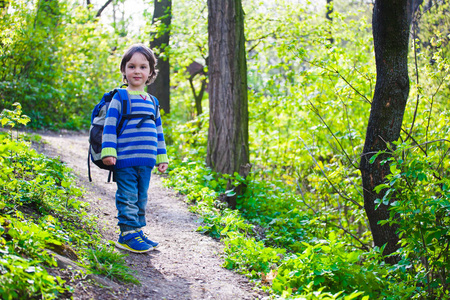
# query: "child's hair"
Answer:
x=148 y=53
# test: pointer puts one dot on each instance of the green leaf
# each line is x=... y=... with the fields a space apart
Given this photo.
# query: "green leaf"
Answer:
x=353 y=295
x=380 y=187
x=230 y=193
x=208 y=177
x=374 y=157
x=65 y=184
x=213 y=183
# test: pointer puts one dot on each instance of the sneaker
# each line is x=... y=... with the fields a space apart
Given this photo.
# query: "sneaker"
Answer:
x=146 y=239
x=133 y=242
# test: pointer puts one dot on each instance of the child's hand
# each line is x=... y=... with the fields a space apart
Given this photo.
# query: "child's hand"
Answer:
x=163 y=167
x=109 y=160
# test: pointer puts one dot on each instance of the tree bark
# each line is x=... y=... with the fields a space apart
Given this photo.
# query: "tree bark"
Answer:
x=198 y=96
x=328 y=13
x=228 y=149
x=391 y=28
x=160 y=42
x=329 y=10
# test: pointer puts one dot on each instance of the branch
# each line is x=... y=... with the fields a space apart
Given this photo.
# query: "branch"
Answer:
x=103 y=8
x=343 y=78
x=442 y=159
x=417 y=80
x=364 y=76
x=432 y=101
x=329 y=181
x=348 y=121
x=315 y=110
x=363 y=245
x=202 y=50
x=258 y=40
x=417 y=144
x=192 y=87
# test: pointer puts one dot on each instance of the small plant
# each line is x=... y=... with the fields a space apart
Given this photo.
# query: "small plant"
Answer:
x=22 y=278
x=105 y=261
x=13 y=118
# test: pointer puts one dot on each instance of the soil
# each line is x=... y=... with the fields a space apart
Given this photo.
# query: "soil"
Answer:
x=186 y=265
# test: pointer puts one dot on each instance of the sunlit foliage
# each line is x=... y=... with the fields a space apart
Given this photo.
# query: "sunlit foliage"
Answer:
x=301 y=230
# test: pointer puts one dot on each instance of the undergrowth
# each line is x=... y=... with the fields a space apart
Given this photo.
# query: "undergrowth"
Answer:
x=40 y=214
x=294 y=251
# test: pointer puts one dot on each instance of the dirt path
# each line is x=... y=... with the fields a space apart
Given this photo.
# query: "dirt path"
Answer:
x=187 y=265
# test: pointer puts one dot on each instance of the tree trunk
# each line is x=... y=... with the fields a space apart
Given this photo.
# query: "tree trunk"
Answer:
x=160 y=43
x=228 y=149
x=328 y=13
x=195 y=69
x=391 y=24
x=198 y=96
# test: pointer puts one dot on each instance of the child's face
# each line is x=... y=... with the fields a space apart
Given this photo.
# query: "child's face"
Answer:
x=137 y=71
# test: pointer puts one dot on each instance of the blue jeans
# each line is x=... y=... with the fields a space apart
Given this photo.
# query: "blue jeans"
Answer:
x=131 y=196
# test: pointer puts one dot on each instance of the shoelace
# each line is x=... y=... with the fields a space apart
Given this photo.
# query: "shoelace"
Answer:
x=139 y=239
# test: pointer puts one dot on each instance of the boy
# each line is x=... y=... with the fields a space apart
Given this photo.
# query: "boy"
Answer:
x=136 y=150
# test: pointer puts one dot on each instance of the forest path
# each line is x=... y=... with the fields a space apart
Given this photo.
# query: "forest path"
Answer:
x=186 y=265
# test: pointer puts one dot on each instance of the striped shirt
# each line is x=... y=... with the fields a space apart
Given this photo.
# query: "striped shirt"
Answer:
x=143 y=146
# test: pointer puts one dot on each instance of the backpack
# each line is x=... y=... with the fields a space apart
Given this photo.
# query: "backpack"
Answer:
x=98 y=121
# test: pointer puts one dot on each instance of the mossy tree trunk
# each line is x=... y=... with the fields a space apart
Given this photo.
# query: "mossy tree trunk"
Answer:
x=228 y=150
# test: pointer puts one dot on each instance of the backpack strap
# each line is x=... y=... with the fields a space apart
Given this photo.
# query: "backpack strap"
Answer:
x=126 y=102
x=126 y=108
x=89 y=164
x=145 y=116
x=155 y=105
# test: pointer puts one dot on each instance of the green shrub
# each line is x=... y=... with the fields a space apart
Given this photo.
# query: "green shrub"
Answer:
x=40 y=212
x=332 y=267
x=419 y=188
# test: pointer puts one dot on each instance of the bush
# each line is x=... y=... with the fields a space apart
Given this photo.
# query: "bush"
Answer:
x=40 y=212
x=419 y=188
